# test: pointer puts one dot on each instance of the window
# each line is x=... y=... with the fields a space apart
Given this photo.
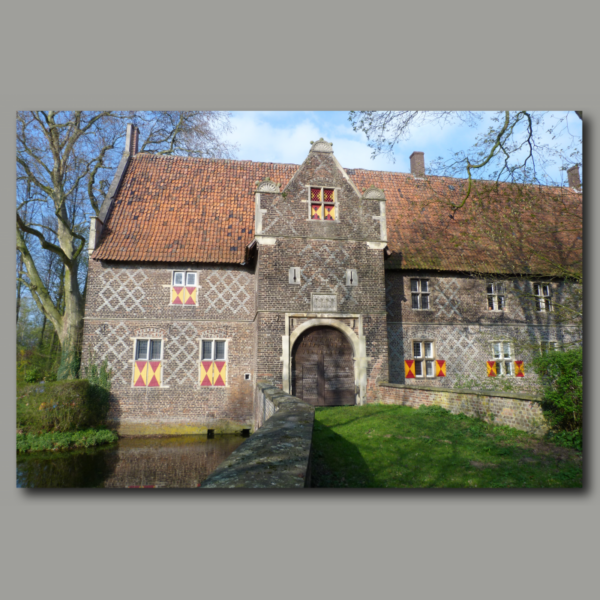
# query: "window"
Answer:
x=495 y=296
x=503 y=358
x=351 y=277
x=213 y=363
x=184 y=290
x=424 y=355
x=322 y=204
x=546 y=346
x=419 y=289
x=543 y=295
x=295 y=278
x=147 y=364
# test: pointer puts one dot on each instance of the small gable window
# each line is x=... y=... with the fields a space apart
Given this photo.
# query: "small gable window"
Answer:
x=419 y=292
x=495 y=295
x=322 y=204
x=184 y=290
x=543 y=297
x=213 y=363
x=147 y=366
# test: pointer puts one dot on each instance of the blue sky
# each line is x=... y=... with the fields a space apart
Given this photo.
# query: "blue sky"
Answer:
x=284 y=137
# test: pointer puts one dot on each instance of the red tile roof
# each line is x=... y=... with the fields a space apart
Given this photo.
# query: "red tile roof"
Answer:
x=176 y=209
x=501 y=229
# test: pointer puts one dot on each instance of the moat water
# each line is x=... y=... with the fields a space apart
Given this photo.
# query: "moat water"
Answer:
x=166 y=462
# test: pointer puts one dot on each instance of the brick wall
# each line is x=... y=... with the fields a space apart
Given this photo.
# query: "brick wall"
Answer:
x=518 y=411
x=463 y=329
x=289 y=215
x=130 y=290
x=132 y=301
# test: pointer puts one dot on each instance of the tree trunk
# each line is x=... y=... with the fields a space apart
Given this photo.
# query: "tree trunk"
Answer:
x=70 y=334
x=19 y=286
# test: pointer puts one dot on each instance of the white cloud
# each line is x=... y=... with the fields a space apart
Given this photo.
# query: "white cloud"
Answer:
x=284 y=137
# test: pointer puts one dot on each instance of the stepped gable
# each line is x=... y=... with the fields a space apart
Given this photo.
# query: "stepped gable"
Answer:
x=179 y=209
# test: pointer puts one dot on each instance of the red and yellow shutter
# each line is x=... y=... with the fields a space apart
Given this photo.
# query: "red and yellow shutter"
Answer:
x=213 y=373
x=206 y=372
x=147 y=373
x=140 y=373
x=219 y=373
x=409 y=369
x=519 y=368
x=440 y=368
x=177 y=294
x=491 y=368
x=316 y=208
x=154 y=373
x=329 y=213
x=183 y=295
x=190 y=295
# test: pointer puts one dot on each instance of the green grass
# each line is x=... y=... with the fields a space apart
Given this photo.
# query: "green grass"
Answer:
x=27 y=442
x=384 y=446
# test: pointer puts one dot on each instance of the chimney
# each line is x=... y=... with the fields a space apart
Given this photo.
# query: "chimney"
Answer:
x=417 y=164
x=573 y=175
x=132 y=139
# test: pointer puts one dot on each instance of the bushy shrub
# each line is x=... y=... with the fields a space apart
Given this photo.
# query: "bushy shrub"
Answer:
x=62 y=406
x=29 y=442
x=561 y=374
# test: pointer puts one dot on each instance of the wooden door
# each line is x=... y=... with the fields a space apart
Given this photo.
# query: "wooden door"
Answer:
x=323 y=368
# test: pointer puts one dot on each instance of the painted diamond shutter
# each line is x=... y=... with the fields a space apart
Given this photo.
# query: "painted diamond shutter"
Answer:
x=519 y=368
x=440 y=368
x=491 y=368
x=409 y=369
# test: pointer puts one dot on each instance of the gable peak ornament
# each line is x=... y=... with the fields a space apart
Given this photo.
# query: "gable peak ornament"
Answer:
x=267 y=186
x=321 y=146
x=373 y=193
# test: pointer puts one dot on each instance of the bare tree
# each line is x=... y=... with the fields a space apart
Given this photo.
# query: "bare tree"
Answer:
x=518 y=146
x=66 y=159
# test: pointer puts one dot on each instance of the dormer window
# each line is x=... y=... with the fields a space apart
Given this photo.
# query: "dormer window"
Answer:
x=322 y=204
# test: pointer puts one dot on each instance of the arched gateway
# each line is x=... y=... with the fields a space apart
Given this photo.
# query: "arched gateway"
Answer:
x=323 y=368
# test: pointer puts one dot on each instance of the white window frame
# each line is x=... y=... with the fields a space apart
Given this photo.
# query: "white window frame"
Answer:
x=496 y=295
x=213 y=349
x=149 y=340
x=185 y=278
x=548 y=346
x=543 y=296
x=423 y=360
x=419 y=293
x=136 y=359
x=335 y=203
x=504 y=361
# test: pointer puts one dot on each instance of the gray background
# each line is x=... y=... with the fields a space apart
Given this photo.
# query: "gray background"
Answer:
x=309 y=55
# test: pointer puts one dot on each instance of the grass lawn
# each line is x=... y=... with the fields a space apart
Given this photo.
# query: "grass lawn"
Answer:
x=385 y=446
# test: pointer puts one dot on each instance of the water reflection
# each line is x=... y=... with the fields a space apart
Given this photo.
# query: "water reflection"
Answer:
x=173 y=462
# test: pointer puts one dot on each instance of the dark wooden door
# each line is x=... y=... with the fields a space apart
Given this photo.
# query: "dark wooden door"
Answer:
x=323 y=369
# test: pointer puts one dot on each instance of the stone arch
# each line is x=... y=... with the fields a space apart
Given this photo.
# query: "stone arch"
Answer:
x=358 y=347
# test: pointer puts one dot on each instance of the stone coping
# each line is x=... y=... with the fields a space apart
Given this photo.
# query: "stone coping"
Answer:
x=497 y=394
x=277 y=455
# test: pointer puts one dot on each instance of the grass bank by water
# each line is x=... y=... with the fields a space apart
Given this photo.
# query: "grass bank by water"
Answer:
x=384 y=446
x=28 y=442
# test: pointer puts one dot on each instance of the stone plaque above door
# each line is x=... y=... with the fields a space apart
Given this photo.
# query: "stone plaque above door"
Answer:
x=324 y=302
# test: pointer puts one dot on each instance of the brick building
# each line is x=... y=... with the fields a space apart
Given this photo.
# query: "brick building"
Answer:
x=206 y=275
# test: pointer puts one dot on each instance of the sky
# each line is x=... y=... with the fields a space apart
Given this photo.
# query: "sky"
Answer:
x=285 y=136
